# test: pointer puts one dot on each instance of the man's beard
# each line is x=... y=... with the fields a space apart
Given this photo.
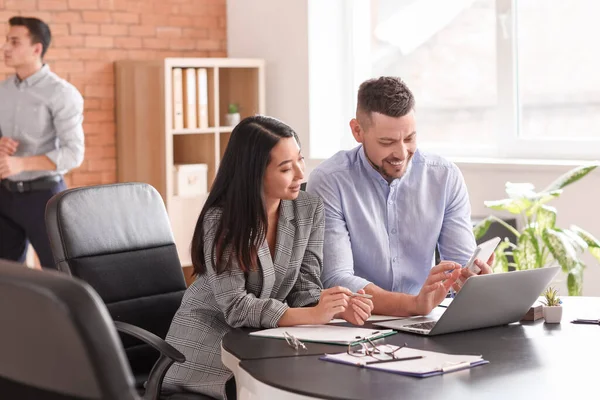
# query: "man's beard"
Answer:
x=381 y=168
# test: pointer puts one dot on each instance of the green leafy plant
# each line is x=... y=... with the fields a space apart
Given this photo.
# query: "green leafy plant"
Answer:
x=551 y=298
x=540 y=241
x=233 y=108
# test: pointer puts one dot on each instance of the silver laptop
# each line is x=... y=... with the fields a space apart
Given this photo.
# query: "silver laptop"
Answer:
x=483 y=301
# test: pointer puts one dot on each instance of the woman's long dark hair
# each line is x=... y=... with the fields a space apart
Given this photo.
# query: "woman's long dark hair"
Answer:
x=238 y=193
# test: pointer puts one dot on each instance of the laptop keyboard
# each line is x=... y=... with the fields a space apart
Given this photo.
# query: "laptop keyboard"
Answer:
x=423 y=325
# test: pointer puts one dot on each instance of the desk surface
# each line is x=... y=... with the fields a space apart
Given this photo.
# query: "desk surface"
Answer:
x=528 y=360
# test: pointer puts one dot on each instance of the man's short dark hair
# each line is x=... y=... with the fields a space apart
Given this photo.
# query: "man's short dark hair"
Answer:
x=39 y=31
x=387 y=95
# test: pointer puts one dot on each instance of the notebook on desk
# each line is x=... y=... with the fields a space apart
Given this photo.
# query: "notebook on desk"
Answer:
x=330 y=334
x=430 y=364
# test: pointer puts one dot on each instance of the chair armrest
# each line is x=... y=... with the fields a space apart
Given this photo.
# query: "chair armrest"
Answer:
x=151 y=339
x=168 y=355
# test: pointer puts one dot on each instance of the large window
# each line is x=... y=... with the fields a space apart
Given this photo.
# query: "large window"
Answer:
x=492 y=78
x=559 y=68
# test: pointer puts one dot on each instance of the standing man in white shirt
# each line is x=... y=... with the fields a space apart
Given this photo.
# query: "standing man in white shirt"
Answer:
x=41 y=138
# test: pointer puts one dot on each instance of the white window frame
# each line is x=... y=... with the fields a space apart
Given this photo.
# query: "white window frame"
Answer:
x=507 y=143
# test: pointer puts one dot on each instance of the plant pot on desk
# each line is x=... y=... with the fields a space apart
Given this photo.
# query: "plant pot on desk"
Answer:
x=553 y=314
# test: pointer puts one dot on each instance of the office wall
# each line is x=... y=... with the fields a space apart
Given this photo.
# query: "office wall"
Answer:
x=276 y=31
x=89 y=35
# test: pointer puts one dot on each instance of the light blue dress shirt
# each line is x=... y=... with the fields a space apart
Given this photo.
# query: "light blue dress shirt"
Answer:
x=45 y=114
x=386 y=233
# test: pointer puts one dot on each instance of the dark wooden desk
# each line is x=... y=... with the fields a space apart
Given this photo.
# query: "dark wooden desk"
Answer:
x=527 y=361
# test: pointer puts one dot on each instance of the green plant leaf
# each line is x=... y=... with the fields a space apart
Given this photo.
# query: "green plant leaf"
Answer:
x=513 y=206
x=592 y=242
x=232 y=108
x=585 y=235
x=542 y=199
x=516 y=254
x=551 y=297
x=571 y=176
x=482 y=227
x=575 y=280
x=561 y=249
x=546 y=218
x=577 y=242
x=529 y=250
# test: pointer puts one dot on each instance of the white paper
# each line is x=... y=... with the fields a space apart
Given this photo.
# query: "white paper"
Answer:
x=324 y=333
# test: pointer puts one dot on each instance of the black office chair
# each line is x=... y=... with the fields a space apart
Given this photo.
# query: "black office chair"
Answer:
x=118 y=239
x=57 y=340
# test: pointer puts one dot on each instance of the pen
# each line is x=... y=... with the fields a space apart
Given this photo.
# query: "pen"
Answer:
x=586 y=321
x=366 y=296
x=393 y=359
x=363 y=295
x=456 y=367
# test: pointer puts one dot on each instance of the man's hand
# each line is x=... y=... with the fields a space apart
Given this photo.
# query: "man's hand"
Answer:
x=465 y=273
x=434 y=290
x=8 y=146
x=10 y=166
x=358 y=310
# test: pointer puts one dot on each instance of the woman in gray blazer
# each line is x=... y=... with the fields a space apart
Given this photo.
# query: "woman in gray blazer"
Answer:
x=257 y=252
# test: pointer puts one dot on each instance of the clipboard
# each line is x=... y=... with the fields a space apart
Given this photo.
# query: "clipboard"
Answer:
x=419 y=363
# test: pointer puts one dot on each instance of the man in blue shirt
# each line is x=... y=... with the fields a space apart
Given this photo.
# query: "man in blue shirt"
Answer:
x=389 y=205
x=41 y=138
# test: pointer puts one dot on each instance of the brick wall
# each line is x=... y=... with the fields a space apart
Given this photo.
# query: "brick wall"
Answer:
x=89 y=35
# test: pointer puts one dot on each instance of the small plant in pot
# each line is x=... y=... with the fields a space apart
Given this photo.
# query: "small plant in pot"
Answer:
x=552 y=306
x=233 y=115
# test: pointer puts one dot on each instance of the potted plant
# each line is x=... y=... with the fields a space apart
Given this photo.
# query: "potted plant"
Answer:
x=540 y=242
x=552 y=306
x=233 y=115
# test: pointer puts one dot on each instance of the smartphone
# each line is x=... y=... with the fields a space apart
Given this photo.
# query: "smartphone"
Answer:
x=483 y=252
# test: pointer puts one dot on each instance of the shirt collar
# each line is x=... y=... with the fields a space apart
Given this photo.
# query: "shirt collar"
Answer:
x=373 y=173
x=33 y=79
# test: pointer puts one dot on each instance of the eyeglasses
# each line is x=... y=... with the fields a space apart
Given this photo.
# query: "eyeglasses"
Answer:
x=293 y=341
x=369 y=349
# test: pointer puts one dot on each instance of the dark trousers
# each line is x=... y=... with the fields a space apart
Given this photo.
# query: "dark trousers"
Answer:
x=22 y=221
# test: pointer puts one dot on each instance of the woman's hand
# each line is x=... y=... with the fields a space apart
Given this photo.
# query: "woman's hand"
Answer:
x=333 y=301
x=359 y=310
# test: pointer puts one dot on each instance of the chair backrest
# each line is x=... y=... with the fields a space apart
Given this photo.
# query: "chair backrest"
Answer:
x=118 y=239
x=57 y=340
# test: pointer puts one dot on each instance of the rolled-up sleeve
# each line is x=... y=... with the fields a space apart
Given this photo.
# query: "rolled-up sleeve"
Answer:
x=308 y=286
x=67 y=118
x=338 y=262
x=240 y=308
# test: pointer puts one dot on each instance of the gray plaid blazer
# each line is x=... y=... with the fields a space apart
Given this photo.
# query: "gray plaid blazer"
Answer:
x=215 y=304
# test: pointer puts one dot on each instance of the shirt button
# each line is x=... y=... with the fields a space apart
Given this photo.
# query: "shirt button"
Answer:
x=394 y=231
x=395 y=259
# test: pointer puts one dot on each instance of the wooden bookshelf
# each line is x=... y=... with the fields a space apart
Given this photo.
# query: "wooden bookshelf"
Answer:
x=149 y=146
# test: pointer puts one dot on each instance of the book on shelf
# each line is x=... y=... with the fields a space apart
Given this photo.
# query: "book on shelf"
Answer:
x=177 y=98
x=189 y=98
x=202 y=101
